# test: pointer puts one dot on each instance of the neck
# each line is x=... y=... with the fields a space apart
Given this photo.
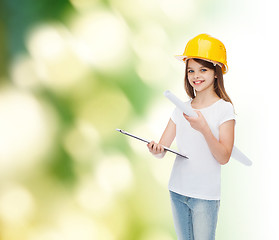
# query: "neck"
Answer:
x=205 y=96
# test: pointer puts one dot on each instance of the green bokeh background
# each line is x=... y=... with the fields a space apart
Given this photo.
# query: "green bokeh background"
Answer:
x=71 y=72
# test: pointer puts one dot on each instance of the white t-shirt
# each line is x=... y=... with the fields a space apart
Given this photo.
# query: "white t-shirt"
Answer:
x=200 y=175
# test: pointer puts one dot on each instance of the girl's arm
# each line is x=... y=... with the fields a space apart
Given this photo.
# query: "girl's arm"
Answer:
x=221 y=149
x=166 y=140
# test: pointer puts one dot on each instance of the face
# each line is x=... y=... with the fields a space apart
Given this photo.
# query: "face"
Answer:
x=200 y=78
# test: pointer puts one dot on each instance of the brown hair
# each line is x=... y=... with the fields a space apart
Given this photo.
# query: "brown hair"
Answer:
x=218 y=84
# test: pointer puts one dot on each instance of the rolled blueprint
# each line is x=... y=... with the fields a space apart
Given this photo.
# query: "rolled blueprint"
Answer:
x=236 y=153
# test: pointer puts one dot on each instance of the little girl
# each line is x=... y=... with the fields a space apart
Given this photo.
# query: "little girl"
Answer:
x=207 y=140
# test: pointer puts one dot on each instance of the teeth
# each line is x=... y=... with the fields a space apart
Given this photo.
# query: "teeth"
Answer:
x=197 y=81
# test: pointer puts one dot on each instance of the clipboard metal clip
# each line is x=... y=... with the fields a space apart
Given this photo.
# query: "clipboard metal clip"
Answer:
x=144 y=140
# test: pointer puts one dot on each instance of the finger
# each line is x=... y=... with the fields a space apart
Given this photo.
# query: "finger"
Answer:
x=158 y=148
x=151 y=149
x=150 y=145
x=199 y=113
x=155 y=147
x=190 y=119
x=185 y=116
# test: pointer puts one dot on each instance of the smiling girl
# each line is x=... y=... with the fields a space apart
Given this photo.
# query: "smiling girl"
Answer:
x=207 y=140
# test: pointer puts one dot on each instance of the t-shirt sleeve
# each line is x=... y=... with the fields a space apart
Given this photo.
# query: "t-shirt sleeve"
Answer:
x=228 y=113
x=174 y=116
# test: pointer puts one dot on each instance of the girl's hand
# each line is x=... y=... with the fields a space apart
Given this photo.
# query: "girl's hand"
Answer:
x=155 y=148
x=199 y=123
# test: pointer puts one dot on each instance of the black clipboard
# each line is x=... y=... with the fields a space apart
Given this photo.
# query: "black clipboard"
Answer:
x=144 y=140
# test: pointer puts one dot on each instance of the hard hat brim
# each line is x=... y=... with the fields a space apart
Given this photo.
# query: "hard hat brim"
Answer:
x=180 y=57
x=184 y=58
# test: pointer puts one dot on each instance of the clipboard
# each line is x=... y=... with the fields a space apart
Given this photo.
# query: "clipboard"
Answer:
x=144 y=140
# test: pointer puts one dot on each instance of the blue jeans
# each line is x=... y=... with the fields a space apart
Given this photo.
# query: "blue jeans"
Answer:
x=194 y=219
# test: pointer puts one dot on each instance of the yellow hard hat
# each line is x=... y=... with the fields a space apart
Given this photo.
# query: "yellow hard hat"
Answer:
x=207 y=48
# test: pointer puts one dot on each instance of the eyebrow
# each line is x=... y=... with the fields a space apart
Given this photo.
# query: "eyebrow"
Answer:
x=200 y=67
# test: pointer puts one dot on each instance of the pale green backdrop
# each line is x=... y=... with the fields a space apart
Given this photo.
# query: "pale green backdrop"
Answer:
x=72 y=71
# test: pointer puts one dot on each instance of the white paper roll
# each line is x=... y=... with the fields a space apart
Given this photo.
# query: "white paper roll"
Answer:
x=181 y=105
x=236 y=153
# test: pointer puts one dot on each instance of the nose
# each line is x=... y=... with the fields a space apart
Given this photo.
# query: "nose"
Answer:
x=197 y=75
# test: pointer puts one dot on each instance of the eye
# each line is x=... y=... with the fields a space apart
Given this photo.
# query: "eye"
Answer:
x=203 y=69
x=190 y=71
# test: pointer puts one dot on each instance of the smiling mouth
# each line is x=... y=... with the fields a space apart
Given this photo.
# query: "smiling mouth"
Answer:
x=198 y=82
